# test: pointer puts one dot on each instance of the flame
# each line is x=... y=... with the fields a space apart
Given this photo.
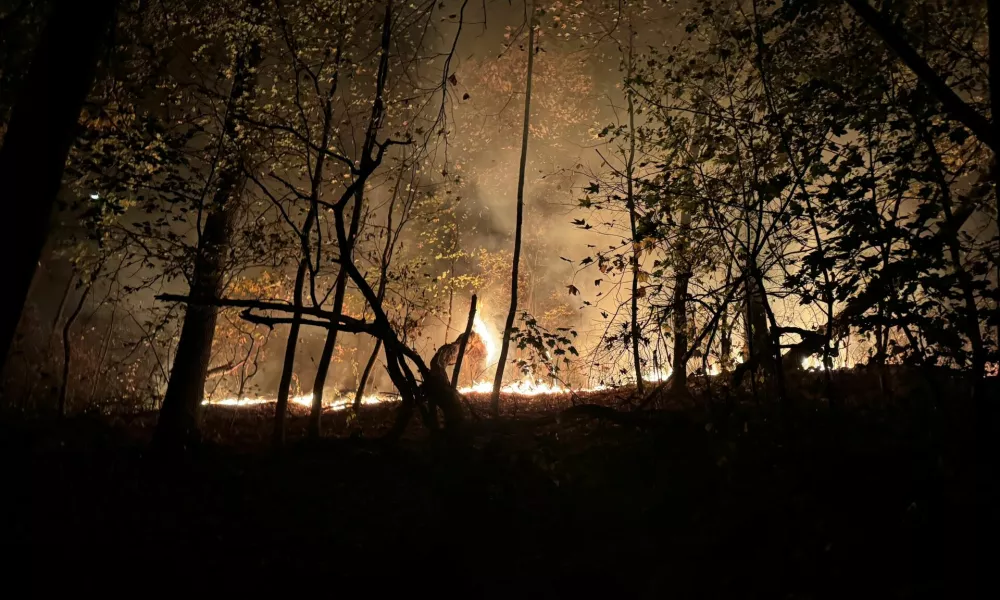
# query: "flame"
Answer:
x=523 y=387
x=526 y=386
x=657 y=375
x=484 y=333
x=337 y=404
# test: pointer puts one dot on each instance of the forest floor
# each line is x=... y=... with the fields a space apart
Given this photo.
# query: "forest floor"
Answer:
x=868 y=501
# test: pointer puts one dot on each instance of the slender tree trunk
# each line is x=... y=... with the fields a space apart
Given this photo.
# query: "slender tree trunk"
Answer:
x=62 y=302
x=465 y=340
x=67 y=348
x=366 y=374
x=42 y=128
x=725 y=343
x=682 y=264
x=178 y=422
x=758 y=338
x=777 y=371
x=451 y=305
x=633 y=218
x=679 y=374
x=316 y=411
x=105 y=348
x=512 y=312
x=288 y=366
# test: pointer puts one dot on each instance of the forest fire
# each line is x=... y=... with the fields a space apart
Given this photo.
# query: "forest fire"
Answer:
x=337 y=404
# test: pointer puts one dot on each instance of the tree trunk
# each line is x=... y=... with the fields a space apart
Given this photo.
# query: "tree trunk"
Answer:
x=465 y=340
x=178 y=423
x=758 y=339
x=67 y=348
x=678 y=377
x=725 y=343
x=512 y=312
x=633 y=218
x=42 y=128
x=288 y=366
x=102 y=359
x=316 y=410
x=62 y=302
x=366 y=374
x=451 y=306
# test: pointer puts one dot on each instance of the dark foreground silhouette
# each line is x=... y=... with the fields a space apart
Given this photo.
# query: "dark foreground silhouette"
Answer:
x=872 y=502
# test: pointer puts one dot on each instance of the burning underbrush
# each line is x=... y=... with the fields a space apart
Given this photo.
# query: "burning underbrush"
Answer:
x=248 y=422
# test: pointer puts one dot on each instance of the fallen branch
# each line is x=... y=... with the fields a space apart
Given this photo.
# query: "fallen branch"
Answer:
x=331 y=319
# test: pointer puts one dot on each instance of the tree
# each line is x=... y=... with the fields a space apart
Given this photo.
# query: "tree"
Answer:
x=512 y=311
x=179 y=414
x=38 y=138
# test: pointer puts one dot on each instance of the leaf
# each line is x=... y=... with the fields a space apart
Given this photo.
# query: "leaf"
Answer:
x=573 y=290
x=453 y=80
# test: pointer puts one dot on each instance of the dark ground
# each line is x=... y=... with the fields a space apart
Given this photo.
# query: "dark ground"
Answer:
x=872 y=502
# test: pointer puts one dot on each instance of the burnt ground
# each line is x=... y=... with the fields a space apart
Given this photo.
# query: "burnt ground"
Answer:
x=870 y=501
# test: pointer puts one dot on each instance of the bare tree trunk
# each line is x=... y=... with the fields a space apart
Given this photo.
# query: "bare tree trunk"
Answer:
x=62 y=302
x=316 y=410
x=633 y=218
x=725 y=343
x=679 y=375
x=42 y=128
x=465 y=340
x=682 y=265
x=777 y=372
x=67 y=348
x=366 y=374
x=758 y=338
x=323 y=368
x=512 y=312
x=288 y=366
x=178 y=422
x=451 y=308
x=105 y=348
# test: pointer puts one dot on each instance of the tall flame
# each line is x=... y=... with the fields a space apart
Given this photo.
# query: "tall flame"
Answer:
x=480 y=328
